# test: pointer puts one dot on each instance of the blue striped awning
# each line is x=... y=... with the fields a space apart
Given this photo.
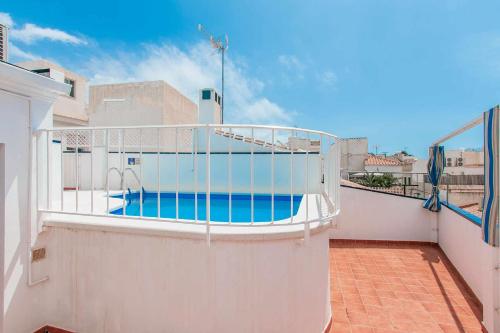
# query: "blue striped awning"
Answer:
x=491 y=182
x=435 y=167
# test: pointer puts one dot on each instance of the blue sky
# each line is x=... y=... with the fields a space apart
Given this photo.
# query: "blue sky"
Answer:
x=402 y=72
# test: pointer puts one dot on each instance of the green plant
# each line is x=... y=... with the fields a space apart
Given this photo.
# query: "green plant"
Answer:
x=371 y=179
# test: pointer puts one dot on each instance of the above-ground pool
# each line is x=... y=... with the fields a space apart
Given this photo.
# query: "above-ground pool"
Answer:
x=219 y=206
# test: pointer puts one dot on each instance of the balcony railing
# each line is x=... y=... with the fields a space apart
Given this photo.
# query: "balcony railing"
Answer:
x=113 y=171
x=463 y=192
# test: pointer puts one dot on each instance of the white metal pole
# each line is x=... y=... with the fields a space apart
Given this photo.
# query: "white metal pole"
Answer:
x=251 y=178
x=107 y=171
x=469 y=125
x=306 y=225
x=208 y=150
x=123 y=172
x=158 y=173
x=62 y=171
x=140 y=174
x=91 y=171
x=49 y=157
x=272 y=176
x=307 y=178
x=195 y=148
x=291 y=178
x=321 y=174
x=230 y=174
x=77 y=170
x=176 y=174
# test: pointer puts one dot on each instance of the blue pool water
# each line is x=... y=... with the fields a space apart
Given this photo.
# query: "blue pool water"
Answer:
x=219 y=206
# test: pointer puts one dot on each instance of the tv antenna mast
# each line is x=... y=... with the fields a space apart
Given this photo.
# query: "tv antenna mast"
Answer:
x=220 y=45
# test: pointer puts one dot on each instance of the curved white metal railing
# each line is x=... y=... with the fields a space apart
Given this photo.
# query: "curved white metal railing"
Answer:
x=295 y=161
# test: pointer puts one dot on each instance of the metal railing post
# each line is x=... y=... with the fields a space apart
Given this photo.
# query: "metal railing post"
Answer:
x=195 y=148
x=207 y=153
x=124 y=209
x=251 y=177
x=230 y=175
x=107 y=171
x=176 y=174
x=92 y=171
x=307 y=225
x=140 y=175
x=62 y=171
x=77 y=170
x=321 y=175
x=291 y=179
x=158 y=175
x=272 y=176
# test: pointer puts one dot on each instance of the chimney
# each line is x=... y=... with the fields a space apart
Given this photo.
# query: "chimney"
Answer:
x=209 y=107
x=4 y=43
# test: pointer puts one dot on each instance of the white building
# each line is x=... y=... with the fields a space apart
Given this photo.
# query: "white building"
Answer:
x=69 y=109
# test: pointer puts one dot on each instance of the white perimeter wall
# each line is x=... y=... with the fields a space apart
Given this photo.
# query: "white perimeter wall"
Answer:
x=120 y=282
x=378 y=216
x=461 y=240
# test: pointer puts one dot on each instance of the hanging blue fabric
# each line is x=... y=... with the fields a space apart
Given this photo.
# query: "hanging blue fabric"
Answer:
x=435 y=168
x=491 y=181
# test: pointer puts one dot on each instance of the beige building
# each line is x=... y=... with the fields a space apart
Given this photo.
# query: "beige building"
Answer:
x=354 y=151
x=69 y=110
x=143 y=104
x=139 y=103
x=464 y=162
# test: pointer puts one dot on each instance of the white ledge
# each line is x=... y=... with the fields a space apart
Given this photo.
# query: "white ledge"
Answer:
x=183 y=230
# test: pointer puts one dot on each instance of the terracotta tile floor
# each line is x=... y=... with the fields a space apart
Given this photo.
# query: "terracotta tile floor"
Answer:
x=389 y=287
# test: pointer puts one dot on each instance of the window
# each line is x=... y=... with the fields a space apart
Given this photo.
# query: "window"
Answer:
x=72 y=84
x=218 y=100
x=215 y=98
x=206 y=94
x=42 y=71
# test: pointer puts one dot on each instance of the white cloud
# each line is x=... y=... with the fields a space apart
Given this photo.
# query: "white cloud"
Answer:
x=18 y=53
x=31 y=33
x=188 y=71
x=6 y=19
x=327 y=78
x=291 y=62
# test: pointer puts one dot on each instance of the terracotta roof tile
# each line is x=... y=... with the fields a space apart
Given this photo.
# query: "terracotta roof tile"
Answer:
x=381 y=160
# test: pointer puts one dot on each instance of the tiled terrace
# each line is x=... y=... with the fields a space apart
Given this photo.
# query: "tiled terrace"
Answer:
x=398 y=287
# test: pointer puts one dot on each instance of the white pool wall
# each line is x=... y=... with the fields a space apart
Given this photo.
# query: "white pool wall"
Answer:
x=119 y=281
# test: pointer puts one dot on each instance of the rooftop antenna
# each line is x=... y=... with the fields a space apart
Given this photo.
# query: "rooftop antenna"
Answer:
x=220 y=45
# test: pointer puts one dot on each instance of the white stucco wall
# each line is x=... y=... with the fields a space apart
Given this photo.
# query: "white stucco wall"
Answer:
x=117 y=281
x=378 y=216
x=25 y=102
x=461 y=240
